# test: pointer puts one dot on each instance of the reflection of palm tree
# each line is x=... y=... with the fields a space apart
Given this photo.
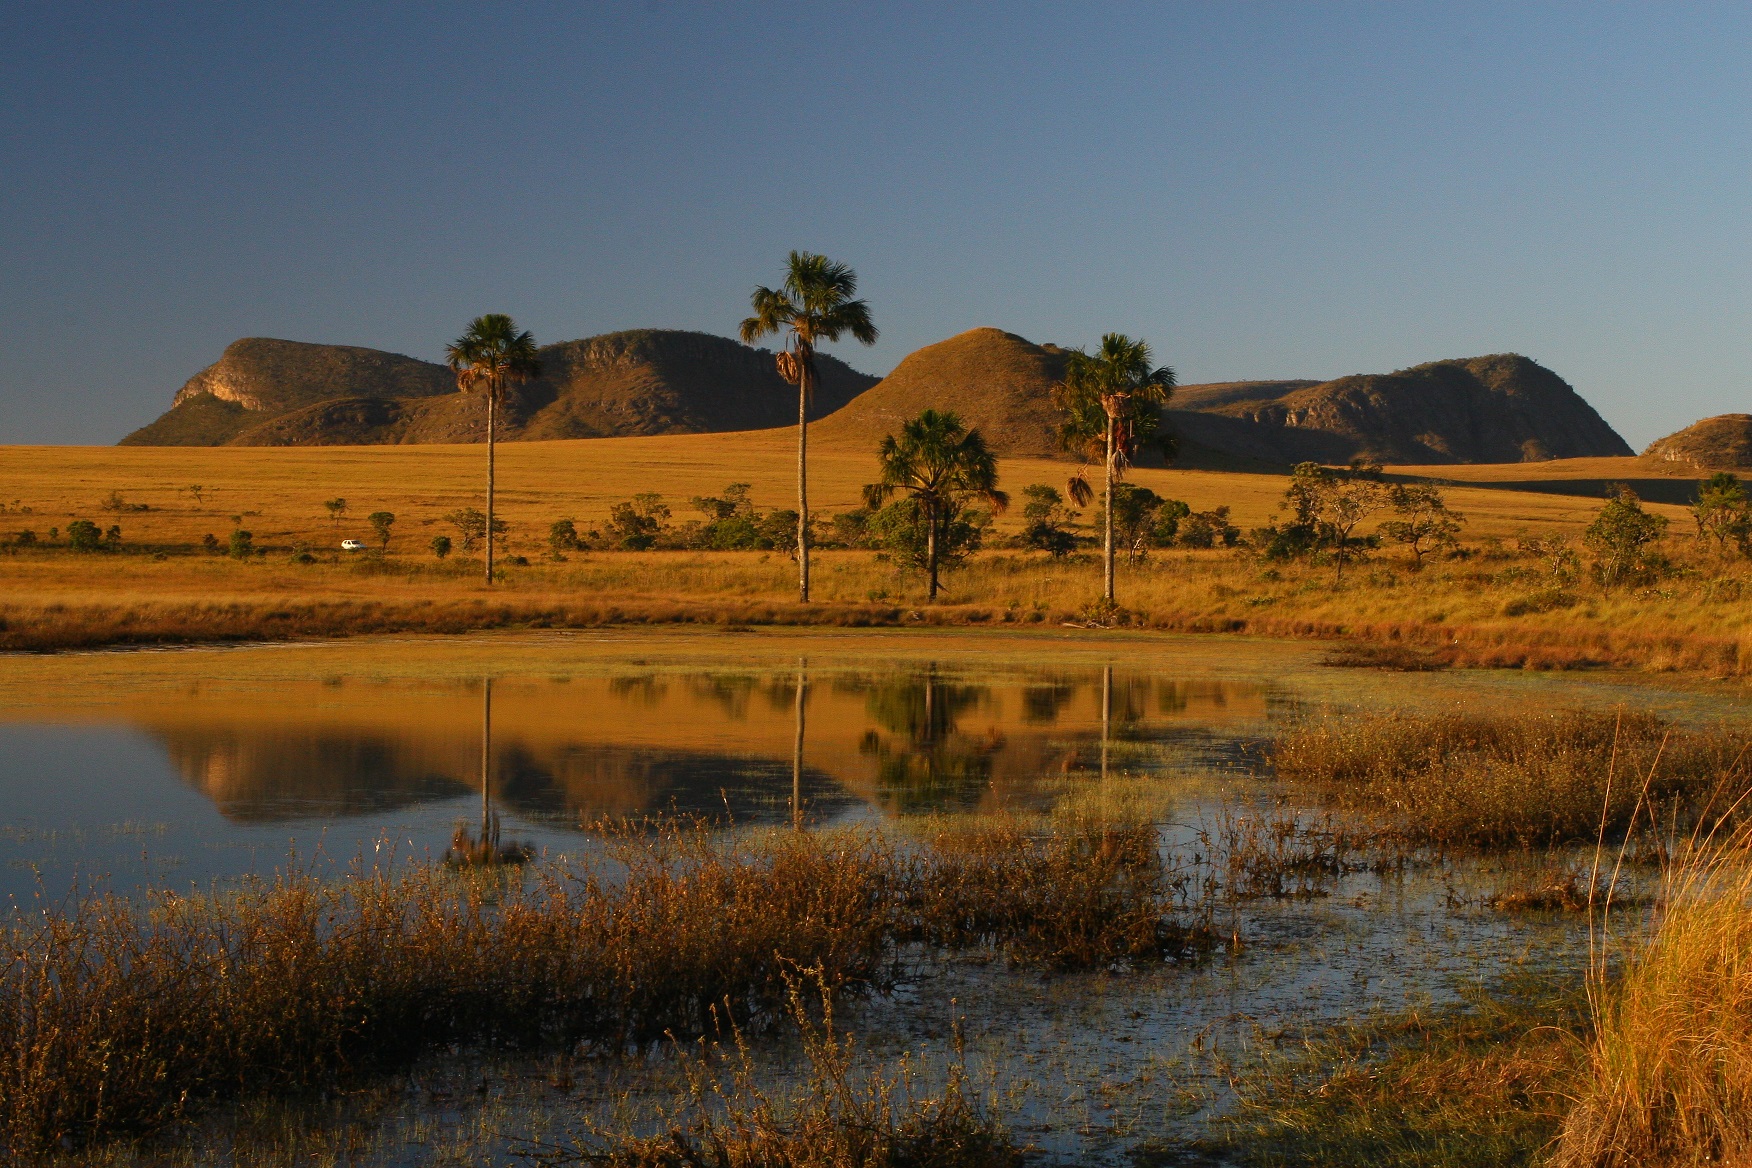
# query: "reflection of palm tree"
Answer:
x=797 y=752
x=486 y=851
x=936 y=766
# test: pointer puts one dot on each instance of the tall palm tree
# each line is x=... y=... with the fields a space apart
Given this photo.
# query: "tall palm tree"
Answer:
x=814 y=305
x=940 y=463
x=494 y=354
x=1112 y=401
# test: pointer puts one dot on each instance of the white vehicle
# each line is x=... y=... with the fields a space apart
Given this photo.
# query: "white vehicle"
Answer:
x=352 y=545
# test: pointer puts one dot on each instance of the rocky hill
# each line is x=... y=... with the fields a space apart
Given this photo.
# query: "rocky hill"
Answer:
x=1723 y=442
x=264 y=392
x=1487 y=409
x=1502 y=408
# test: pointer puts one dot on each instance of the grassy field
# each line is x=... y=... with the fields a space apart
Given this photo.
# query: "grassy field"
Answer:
x=161 y=588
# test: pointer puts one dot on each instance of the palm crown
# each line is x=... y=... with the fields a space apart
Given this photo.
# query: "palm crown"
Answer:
x=814 y=304
x=492 y=352
x=1114 y=385
x=937 y=459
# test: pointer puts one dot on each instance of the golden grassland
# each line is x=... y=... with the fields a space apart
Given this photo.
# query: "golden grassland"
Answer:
x=1463 y=612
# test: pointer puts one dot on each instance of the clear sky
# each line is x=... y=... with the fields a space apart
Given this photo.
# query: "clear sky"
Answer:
x=1261 y=190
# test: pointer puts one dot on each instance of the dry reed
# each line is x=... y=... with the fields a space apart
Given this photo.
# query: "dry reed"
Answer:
x=1529 y=780
x=116 y=1017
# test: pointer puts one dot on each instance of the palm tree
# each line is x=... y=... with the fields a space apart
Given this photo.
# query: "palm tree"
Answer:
x=940 y=463
x=814 y=305
x=494 y=354
x=1112 y=401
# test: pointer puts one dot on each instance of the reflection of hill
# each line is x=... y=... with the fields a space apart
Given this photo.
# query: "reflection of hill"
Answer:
x=579 y=748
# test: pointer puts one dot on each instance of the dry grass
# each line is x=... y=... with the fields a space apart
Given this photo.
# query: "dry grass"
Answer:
x=1472 y=613
x=1528 y=780
x=1669 y=1073
x=117 y=1017
x=838 y=1117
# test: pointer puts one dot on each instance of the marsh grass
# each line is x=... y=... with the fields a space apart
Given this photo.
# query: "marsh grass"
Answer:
x=119 y=1017
x=1481 y=1083
x=838 y=1116
x=1530 y=780
x=1668 y=1076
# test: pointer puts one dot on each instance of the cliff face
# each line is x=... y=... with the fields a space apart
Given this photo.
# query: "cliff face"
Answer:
x=1503 y=408
x=651 y=381
x=1723 y=442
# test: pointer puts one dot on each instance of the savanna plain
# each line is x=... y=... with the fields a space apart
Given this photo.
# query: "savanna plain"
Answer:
x=1370 y=854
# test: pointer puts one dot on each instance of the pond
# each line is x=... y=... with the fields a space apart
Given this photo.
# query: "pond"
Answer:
x=189 y=768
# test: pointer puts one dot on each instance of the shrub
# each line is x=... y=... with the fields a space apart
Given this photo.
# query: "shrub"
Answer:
x=471 y=526
x=380 y=522
x=1622 y=538
x=1203 y=529
x=1046 y=521
x=1424 y=523
x=210 y=543
x=83 y=536
x=441 y=546
x=562 y=538
x=636 y=523
x=26 y=538
x=241 y=545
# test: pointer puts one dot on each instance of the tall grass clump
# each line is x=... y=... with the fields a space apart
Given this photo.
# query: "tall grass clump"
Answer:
x=1533 y=779
x=838 y=1116
x=1669 y=1073
x=121 y=1017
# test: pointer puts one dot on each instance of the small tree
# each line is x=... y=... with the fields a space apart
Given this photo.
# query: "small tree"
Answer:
x=471 y=526
x=1134 y=518
x=1722 y=512
x=441 y=546
x=562 y=538
x=1046 y=521
x=1169 y=517
x=242 y=546
x=1622 y=538
x=1207 y=529
x=195 y=490
x=381 y=522
x=1328 y=504
x=336 y=509
x=941 y=464
x=83 y=536
x=638 y=522
x=1425 y=524
x=210 y=544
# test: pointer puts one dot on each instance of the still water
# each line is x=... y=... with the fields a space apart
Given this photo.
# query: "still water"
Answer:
x=190 y=768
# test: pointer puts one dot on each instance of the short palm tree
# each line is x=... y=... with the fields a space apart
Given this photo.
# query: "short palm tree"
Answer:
x=815 y=304
x=1112 y=401
x=941 y=464
x=494 y=354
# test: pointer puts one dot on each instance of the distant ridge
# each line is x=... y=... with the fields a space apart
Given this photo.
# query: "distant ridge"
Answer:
x=266 y=392
x=1723 y=442
x=1503 y=408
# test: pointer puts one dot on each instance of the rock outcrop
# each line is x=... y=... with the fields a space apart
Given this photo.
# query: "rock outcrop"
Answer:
x=266 y=392
x=1723 y=442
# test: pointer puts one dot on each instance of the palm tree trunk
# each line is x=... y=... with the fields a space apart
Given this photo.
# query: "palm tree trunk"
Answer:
x=803 y=480
x=1108 y=536
x=490 y=420
x=931 y=551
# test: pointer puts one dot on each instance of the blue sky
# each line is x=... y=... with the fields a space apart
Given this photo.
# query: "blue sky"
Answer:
x=1297 y=190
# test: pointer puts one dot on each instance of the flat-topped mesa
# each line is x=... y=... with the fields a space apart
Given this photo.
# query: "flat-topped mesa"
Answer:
x=265 y=392
x=1723 y=442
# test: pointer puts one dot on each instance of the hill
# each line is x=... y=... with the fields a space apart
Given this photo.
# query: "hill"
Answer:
x=998 y=382
x=1502 y=408
x=265 y=392
x=1723 y=442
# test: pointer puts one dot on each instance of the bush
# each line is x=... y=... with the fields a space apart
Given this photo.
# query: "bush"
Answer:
x=1622 y=538
x=440 y=546
x=241 y=545
x=210 y=544
x=26 y=538
x=471 y=526
x=1046 y=521
x=562 y=538
x=1203 y=529
x=380 y=522
x=83 y=536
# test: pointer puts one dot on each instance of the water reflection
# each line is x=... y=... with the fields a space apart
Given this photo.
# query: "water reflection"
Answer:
x=789 y=744
x=486 y=849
